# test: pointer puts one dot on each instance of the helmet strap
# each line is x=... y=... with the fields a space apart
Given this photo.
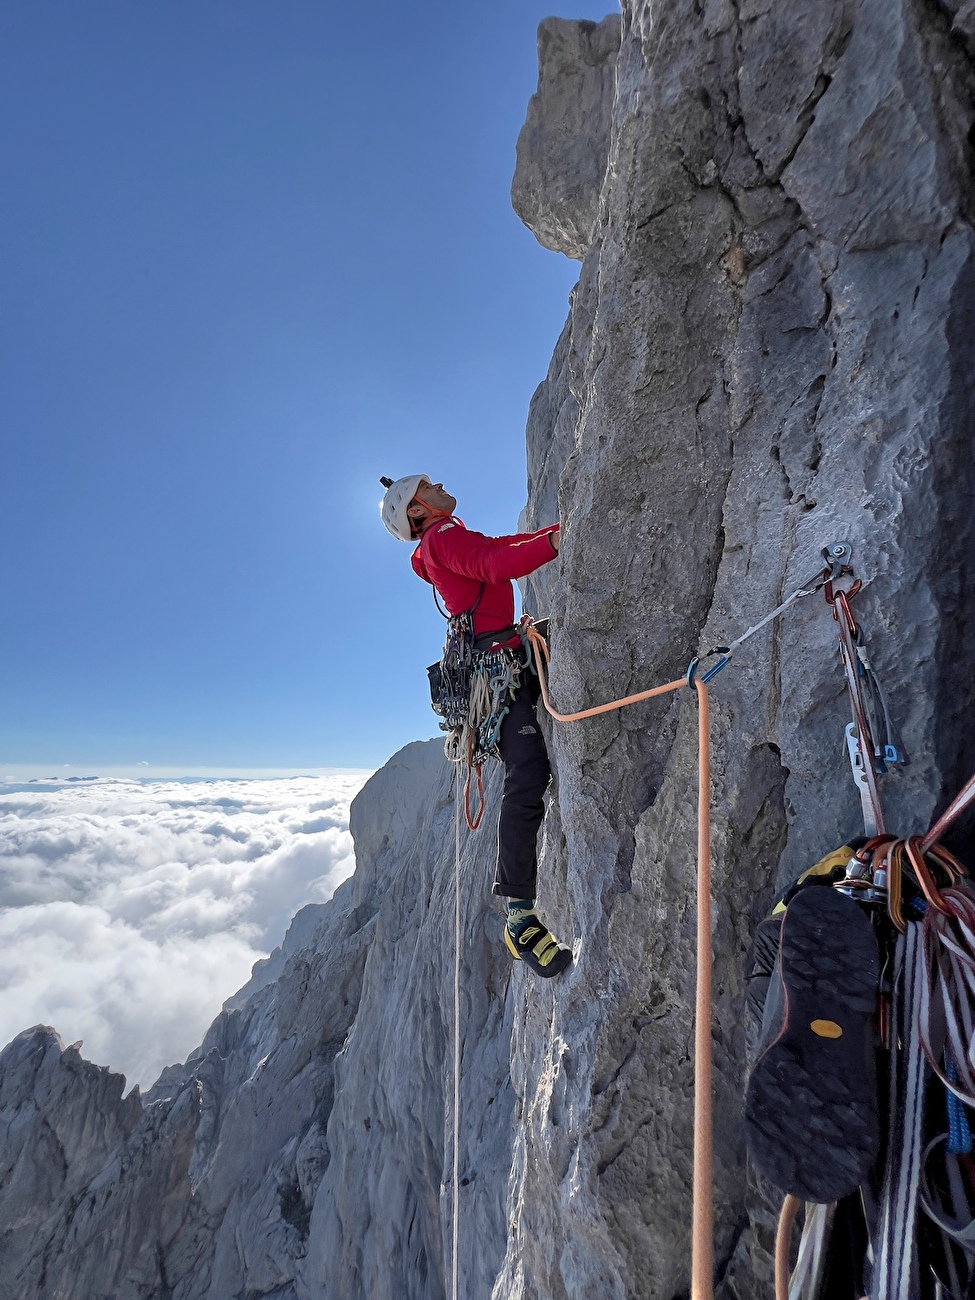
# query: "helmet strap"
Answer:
x=417 y=526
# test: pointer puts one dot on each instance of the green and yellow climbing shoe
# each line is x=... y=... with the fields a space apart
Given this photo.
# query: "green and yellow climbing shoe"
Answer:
x=527 y=940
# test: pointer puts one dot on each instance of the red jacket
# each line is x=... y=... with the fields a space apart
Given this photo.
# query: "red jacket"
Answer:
x=456 y=561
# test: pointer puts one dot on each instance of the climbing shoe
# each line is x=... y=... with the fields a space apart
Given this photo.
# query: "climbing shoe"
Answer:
x=528 y=940
x=811 y=1114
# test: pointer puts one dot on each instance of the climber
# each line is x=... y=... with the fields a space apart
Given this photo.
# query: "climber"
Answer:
x=474 y=572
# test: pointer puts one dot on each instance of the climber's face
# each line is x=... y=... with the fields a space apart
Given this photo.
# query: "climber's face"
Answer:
x=434 y=496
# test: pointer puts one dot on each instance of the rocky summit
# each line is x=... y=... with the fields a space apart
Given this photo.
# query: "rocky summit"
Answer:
x=769 y=349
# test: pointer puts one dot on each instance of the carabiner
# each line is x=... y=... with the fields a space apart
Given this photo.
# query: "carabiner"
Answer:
x=832 y=597
x=924 y=877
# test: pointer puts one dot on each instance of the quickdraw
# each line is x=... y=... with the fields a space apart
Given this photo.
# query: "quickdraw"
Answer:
x=451 y=678
x=472 y=690
x=833 y=556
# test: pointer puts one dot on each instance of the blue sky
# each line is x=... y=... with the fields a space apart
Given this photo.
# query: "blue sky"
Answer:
x=255 y=256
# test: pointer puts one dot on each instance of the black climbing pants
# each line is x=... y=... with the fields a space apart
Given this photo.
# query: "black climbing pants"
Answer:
x=526 y=774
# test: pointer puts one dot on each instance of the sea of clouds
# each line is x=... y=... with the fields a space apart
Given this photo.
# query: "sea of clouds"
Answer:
x=130 y=911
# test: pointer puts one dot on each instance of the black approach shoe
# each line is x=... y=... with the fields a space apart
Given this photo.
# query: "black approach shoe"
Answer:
x=537 y=947
x=811 y=1123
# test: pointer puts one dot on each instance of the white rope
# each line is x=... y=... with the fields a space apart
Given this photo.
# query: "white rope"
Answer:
x=495 y=678
x=807 y=1274
x=949 y=981
x=454 y=1272
x=896 y=1271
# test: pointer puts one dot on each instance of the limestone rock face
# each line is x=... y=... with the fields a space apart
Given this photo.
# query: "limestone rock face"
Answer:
x=769 y=349
x=765 y=353
x=303 y=1149
x=564 y=144
x=88 y=1178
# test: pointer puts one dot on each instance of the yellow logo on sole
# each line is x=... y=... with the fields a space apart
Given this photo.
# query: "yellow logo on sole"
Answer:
x=826 y=1028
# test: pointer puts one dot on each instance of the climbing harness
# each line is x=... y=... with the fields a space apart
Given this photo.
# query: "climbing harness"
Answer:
x=495 y=679
x=472 y=690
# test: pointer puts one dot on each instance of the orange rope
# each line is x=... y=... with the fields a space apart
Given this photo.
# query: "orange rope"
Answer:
x=783 y=1244
x=472 y=821
x=541 y=649
x=702 y=1223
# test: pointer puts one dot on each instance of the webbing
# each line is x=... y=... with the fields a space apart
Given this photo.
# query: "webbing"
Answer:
x=848 y=631
x=805 y=1281
x=954 y=810
x=702 y=1223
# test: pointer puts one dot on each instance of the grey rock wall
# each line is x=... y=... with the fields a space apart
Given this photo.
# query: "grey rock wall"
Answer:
x=304 y=1149
x=769 y=348
x=564 y=144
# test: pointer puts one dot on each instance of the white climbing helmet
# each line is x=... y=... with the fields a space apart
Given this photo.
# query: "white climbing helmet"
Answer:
x=396 y=503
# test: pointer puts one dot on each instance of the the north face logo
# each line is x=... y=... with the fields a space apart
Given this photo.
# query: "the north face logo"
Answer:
x=527 y=731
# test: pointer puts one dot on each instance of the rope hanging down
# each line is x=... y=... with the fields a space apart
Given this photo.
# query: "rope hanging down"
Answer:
x=702 y=1228
x=455 y=1178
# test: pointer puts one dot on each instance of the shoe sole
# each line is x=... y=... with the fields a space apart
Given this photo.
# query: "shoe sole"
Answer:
x=560 y=962
x=811 y=1114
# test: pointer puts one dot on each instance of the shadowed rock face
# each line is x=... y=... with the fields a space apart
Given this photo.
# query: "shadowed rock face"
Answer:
x=769 y=349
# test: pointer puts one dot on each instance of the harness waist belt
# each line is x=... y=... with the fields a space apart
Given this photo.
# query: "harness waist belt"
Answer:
x=485 y=640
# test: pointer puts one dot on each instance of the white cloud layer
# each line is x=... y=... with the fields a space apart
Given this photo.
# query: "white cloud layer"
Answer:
x=130 y=912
